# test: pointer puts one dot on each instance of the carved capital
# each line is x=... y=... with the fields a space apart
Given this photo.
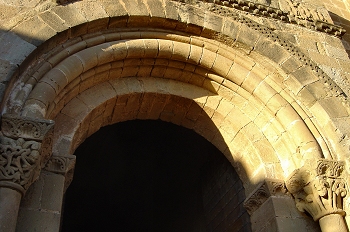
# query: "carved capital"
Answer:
x=19 y=163
x=25 y=145
x=319 y=188
x=63 y=165
x=268 y=188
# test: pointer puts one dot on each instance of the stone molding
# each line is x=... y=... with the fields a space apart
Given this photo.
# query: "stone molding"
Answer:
x=25 y=145
x=14 y=126
x=266 y=189
x=63 y=165
x=297 y=13
x=319 y=189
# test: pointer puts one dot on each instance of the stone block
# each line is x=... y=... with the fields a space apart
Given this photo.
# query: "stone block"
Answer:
x=231 y=28
x=165 y=49
x=14 y=48
x=171 y=11
x=333 y=107
x=181 y=51
x=54 y=21
x=40 y=221
x=136 y=48
x=156 y=8
x=52 y=193
x=7 y=71
x=271 y=50
x=291 y=64
x=135 y=7
x=222 y=65
x=208 y=58
x=56 y=79
x=251 y=82
x=212 y=24
x=73 y=18
x=34 y=31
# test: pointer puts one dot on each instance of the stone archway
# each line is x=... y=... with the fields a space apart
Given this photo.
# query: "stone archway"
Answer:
x=266 y=109
x=153 y=176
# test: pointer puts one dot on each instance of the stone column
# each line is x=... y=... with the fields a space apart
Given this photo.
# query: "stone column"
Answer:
x=41 y=207
x=25 y=146
x=319 y=189
x=272 y=208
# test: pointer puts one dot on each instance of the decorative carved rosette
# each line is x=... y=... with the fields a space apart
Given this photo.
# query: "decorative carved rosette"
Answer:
x=25 y=146
x=268 y=188
x=63 y=165
x=319 y=189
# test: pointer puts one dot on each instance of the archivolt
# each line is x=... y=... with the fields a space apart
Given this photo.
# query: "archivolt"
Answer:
x=107 y=78
x=257 y=109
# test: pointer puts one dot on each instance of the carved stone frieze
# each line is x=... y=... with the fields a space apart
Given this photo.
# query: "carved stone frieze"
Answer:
x=268 y=188
x=295 y=13
x=319 y=189
x=19 y=163
x=15 y=127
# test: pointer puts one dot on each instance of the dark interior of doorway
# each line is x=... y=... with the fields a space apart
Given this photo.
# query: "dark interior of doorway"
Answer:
x=152 y=176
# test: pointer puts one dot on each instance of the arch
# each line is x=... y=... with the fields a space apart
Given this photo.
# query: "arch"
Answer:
x=214 y=66
x=284 y=69
x=268 y=104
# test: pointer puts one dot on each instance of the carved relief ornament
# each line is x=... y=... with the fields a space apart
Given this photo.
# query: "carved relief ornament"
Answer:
x=25 y=146
x=294 y=13
x=319 y=189
x=268 y=188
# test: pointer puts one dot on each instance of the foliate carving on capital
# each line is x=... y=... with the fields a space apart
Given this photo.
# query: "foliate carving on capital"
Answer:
x=60 y=164
x=268 y=188
x=14 y=126
x=25 y=147
x=319 y=189
x=19 y=163
x=63 y=165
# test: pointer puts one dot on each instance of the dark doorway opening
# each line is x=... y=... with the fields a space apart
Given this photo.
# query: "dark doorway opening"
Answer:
x=152 y=176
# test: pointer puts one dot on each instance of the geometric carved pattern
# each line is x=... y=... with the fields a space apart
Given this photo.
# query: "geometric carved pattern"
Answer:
x=268 y=188
x=319 y=189
x=297 y=14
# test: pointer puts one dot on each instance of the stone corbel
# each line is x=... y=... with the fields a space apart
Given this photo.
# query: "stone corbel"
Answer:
x=25 y=147
x=319 y=189
x=63 y=165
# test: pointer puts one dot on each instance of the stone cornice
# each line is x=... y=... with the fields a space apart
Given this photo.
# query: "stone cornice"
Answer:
x=297 y=14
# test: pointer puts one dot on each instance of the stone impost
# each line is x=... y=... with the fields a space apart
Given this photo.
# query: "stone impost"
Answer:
x=24 y=149
x=319 y=189
x=266 y=189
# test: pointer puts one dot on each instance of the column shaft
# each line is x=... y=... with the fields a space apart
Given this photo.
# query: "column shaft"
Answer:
x=333 y=223
x=9 y=204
